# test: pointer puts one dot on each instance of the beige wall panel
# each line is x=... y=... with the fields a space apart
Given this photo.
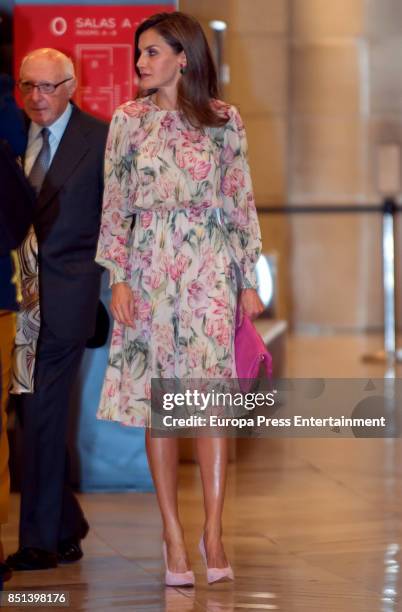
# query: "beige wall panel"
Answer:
x=206 y=9
x=255 y=16
x=318 y=18
x=258 y=67
x=267 y=141
x=325 y=79
x=327 y=161
x=383 y=18
x=259 y=16
x=381 y=130
x=336 y=271
x=385 y=75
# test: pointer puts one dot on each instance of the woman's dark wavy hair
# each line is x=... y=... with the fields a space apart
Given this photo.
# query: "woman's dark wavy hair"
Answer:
x=198 y=85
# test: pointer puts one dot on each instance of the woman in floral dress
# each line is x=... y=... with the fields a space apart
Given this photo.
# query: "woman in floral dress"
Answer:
x=180 y=238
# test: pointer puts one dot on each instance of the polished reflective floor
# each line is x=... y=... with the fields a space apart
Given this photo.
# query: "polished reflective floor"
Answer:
x=310 y=524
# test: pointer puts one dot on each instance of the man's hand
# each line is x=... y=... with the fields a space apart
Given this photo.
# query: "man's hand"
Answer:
x=250 y=304
x=122 y=305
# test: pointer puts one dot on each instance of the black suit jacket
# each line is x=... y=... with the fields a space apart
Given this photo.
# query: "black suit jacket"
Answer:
x=67 y=221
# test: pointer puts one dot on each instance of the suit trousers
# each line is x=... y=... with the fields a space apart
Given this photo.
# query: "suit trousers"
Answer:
x=7 y=333
x=50 y=512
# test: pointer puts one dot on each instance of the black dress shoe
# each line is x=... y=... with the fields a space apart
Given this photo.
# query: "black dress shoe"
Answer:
x=27 y=558
x=5 y=572
x=69 y=551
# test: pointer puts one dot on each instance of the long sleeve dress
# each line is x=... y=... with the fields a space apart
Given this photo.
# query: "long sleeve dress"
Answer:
x=194 y=239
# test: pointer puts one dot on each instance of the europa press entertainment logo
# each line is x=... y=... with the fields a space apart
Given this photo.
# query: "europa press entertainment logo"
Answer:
x=58 y=26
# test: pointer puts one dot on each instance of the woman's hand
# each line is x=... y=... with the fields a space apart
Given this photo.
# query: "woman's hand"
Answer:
x=122 y=305
x=250 y=304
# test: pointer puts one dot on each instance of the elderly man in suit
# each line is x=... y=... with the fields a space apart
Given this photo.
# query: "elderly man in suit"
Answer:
x=64 y=163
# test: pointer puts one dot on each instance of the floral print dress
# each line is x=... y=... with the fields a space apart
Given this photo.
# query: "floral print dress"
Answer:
x=179 y=225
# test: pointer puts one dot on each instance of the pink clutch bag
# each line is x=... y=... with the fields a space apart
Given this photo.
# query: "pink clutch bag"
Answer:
x=250 y=352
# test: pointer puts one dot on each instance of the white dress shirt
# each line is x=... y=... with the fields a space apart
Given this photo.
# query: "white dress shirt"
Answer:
x=35 y=139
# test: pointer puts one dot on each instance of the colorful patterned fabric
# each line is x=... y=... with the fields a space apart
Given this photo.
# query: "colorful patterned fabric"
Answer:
x=195 y=231
x=28 y=318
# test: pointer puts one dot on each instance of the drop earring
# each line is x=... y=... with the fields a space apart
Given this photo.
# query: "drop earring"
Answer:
x=182 y=70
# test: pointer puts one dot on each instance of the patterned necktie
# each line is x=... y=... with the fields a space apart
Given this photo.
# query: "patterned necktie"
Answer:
x=42 y=162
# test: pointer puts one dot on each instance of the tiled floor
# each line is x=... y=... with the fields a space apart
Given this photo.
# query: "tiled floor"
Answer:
x=310 y=524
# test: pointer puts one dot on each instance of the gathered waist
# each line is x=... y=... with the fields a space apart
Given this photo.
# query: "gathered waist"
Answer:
x=191 y=214
x=169 y=209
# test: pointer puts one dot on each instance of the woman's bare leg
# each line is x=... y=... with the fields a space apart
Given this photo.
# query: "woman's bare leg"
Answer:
x=163 y=462
x=213 y=460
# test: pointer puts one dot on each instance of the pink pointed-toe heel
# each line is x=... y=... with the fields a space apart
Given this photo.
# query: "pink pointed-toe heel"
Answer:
x=215 y=574
x=177 y=579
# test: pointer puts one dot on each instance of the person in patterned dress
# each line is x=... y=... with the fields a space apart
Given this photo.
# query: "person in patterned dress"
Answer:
x=180 y=238
x=16 y=214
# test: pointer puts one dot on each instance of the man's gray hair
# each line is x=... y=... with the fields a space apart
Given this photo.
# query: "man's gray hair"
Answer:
x=54 y=55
